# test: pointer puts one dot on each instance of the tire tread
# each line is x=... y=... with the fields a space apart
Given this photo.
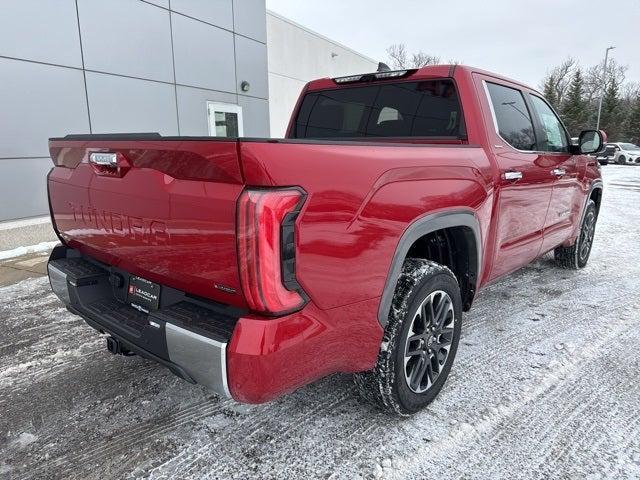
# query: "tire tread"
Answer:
x=377 y=385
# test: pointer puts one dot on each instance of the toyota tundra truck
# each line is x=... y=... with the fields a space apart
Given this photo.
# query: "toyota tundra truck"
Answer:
x=254 y=266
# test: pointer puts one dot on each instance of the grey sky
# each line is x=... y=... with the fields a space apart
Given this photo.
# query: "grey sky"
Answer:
x=519 y=39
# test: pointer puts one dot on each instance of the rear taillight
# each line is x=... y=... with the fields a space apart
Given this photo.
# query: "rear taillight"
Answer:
x=266 y=249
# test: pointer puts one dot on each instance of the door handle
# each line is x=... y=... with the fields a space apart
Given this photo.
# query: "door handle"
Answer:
x=512 y=175
x=558 y=172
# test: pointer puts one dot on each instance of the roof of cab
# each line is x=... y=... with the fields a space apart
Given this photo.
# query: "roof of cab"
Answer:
x=430 y=71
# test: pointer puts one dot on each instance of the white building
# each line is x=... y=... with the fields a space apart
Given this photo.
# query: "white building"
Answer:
x=298 y=55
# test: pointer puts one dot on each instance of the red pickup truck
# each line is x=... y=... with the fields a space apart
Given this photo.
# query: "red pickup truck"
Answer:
x=255 y=266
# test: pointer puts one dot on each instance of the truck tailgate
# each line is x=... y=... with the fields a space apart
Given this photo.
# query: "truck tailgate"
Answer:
x=165 y=211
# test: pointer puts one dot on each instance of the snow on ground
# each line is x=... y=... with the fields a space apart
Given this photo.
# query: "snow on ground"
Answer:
x=20 y=251
x=545 y=384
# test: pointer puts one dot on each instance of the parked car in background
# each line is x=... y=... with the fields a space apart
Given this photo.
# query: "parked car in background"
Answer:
x=626 y=153
x=607 y=154
x=255 y=266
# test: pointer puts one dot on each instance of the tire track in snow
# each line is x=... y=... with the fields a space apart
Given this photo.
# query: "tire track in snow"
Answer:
x=547 y=382
x=128 y=440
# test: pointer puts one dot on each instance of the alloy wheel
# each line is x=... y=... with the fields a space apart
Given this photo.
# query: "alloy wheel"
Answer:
x=429 y=341
x=586 y=235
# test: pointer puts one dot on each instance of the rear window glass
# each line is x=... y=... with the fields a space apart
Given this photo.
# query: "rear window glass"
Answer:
x=409 y=109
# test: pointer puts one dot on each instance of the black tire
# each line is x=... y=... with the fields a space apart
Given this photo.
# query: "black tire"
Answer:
x=577 y=255
x=421 y=282
x=622 y=160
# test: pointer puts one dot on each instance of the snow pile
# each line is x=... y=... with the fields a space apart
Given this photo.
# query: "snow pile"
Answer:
x=20 y=251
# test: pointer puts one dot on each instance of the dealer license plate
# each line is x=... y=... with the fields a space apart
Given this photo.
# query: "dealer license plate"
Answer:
x=143 y=294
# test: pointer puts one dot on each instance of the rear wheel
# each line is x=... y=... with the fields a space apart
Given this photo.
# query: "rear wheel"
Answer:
x=622 y=160
x=577 y=255
x=420 y=340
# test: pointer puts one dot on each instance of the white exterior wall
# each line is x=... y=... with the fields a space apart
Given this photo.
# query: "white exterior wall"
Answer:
x=297 y=55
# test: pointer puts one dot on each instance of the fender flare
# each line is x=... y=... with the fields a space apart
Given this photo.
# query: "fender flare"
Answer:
x=419 y=228
x=596 y=184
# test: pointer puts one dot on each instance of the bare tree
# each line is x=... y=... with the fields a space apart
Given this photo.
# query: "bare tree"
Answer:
x=576 y=92
x=595 y=83
x=558 y=79
x=399 y=58
x=397 y=55
x=629 y=92
x=422 y=59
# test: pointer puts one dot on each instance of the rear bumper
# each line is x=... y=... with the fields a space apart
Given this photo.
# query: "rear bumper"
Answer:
x=250 y=358
x=87 y=289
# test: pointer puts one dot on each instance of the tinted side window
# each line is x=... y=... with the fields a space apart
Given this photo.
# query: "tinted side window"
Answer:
x=512 y=116
x=407 y=109
x=556 y=140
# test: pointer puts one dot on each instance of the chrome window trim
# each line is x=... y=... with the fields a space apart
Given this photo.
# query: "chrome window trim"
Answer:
x=497 y=129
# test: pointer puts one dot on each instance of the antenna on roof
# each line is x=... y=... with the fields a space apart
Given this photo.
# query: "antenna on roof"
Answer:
x=383 y=67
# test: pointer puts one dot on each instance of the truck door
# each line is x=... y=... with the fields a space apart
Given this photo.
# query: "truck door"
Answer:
x=566 y=198
x=524 y=186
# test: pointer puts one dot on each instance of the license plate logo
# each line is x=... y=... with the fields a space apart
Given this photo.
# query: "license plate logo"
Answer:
x=143 y=294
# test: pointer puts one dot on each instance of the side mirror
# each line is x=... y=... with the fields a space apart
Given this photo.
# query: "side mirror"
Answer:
x=591 y=141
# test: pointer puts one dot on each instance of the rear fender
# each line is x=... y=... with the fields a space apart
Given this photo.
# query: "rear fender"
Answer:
x=419 y=228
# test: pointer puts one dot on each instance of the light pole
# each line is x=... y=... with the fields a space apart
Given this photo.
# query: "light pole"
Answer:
x=604 y=83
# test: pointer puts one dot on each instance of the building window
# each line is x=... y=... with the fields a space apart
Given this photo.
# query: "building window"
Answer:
x=225 y=120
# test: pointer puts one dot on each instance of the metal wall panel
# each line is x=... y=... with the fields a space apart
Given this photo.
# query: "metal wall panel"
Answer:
x=249 y=19
x=37 y=102
x=120 y=104
x=251 y=65
x=192 y=108
x=255 y=112
x=23 y=190
x=160 y=3
x=136 y=44
x=41 y=31
x=126 y=37
x=216 y=12
x=203 y=55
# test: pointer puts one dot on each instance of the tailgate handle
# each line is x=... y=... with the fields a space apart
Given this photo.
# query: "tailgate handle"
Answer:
x=109 y=164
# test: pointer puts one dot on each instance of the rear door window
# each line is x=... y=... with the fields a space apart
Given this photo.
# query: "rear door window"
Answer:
x=512 y=117
x=408 y=109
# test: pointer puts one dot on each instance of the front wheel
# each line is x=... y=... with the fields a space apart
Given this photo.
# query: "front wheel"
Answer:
x=420 y=340
x=577 y=255
x=622 y=160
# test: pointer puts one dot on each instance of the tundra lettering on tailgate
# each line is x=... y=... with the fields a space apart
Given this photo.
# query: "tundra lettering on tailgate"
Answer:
x=150 y=231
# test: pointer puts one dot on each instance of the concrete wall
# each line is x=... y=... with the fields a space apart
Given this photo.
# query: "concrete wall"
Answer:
x=297 y=55
x=96 y=66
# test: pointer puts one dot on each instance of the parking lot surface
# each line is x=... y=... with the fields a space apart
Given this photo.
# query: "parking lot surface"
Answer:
x=545 y=384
